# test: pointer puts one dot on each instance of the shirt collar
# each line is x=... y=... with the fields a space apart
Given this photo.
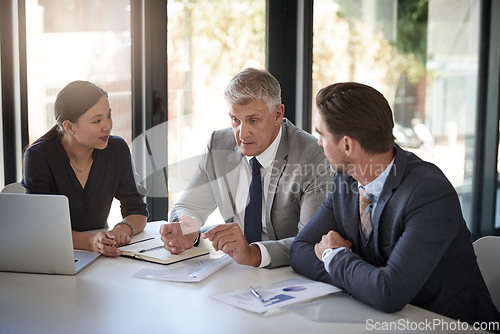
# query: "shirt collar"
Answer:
x=375 y=187
x=266 y=158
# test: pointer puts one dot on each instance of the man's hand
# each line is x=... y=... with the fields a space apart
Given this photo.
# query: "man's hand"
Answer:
x=177 y=237
x=330 y=240
x=173 y=239
x=230 y=239
x=189 y=225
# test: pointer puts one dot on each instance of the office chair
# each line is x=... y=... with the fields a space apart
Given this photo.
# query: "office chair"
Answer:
x=14 y=188
x=487 y=250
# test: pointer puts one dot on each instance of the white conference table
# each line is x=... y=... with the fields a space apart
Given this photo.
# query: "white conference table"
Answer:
x=104 y=298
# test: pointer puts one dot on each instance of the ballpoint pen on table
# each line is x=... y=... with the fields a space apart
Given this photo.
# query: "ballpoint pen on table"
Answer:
x=256 y=294
x=148 y=249
x=138 y=241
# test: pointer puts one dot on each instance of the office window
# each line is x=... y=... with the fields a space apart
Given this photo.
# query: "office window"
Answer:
x=497 y=212
x=2 y=162
x=208 y=42
x=71 y=40
x=423 y=56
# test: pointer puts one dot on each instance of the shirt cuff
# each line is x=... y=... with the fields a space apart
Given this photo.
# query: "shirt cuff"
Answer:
x=265 y=258
x=330 y=256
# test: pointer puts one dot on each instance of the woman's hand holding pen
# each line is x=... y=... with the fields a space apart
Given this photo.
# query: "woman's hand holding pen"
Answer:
x=121 y=237
x=105 y=243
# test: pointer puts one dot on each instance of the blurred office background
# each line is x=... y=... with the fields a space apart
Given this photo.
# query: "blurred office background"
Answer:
x=165 y=65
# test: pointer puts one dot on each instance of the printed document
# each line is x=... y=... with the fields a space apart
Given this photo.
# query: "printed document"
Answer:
x=261 y=299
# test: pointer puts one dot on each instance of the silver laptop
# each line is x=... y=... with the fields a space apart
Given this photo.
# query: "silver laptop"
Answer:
x=35 y=236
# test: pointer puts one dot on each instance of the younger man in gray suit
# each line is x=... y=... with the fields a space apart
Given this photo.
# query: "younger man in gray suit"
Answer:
x=411 y=243
x=266 y=176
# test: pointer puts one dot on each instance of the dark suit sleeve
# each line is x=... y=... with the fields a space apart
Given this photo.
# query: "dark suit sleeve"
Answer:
x=303 y=259
x=418 y=224
x=425 y=216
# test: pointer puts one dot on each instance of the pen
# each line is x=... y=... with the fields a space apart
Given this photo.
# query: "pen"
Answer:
x=136 y=242
x=256 y=294
x=148 y=249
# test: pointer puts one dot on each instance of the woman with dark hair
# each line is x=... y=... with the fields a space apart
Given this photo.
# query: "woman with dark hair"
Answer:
x=79 y=158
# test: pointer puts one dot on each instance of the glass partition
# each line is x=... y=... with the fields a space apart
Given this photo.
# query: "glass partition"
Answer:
x=208 y=43
x=71 y=40
x=423 y=56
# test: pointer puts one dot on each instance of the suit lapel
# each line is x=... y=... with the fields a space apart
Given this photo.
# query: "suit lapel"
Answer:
x=392 y=182
x=277 y=169
x=231 y=178
x=351 y=209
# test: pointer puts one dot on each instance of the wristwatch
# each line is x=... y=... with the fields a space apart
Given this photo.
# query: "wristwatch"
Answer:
x=326 y=252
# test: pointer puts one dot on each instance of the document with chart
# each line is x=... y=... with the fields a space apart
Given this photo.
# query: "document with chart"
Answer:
x=261 y=299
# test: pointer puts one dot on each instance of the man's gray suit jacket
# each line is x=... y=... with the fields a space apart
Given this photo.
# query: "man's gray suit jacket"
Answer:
x=300 y=180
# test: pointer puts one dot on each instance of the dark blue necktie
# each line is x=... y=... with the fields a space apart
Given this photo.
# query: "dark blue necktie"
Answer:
x=253 y=212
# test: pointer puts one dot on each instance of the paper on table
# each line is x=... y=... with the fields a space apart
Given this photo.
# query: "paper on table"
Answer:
x=189 y=271
x=277 y=295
